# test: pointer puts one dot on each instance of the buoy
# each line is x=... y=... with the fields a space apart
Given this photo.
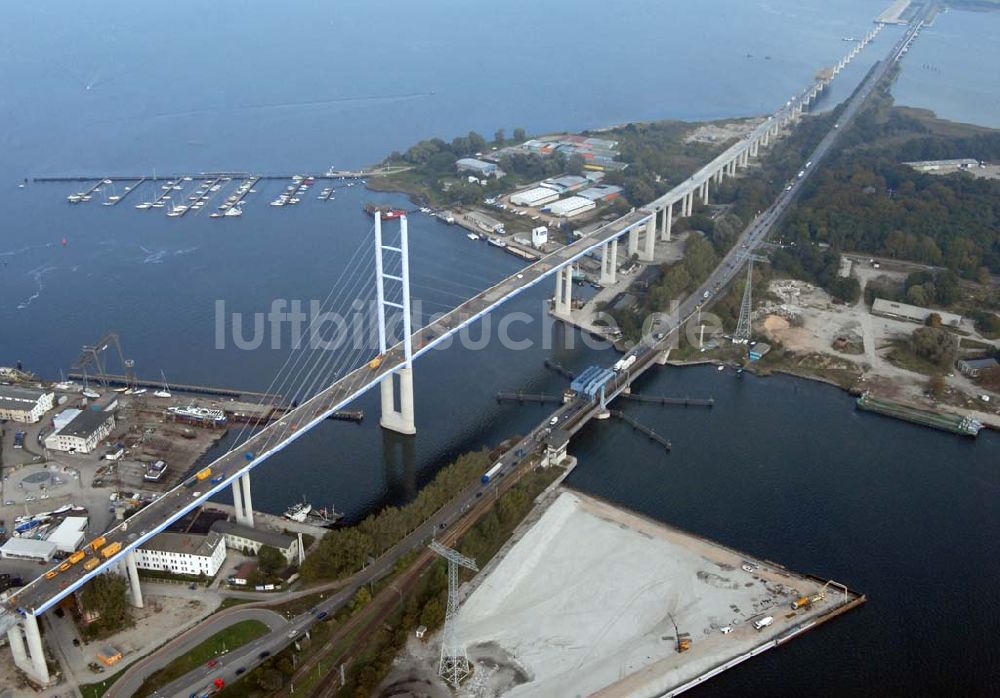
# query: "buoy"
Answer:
x=65 y=242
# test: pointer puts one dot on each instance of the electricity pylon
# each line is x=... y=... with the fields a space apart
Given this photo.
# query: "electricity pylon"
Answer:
x=742 y=334
x=454 y=665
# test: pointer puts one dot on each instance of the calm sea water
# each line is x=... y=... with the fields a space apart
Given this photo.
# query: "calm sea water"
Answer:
x=781 y=468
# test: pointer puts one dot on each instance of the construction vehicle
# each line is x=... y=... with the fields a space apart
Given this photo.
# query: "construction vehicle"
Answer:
x=801 y=603
x=111 y=550
x=204 y=474
x=376 y=362
x=91 y=564
x=96 y=544
x=762 y=623
x=76 y=557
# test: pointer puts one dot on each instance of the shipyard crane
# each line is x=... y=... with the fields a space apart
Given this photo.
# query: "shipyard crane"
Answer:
x=93 y=355
x=454 y=666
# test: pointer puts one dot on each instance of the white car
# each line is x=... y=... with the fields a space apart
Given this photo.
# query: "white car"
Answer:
x=726 y=630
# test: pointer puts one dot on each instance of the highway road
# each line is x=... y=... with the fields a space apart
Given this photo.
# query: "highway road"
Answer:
x=568 y=418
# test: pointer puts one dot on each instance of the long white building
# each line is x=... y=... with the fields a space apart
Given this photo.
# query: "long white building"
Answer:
x=83 y=433
x=24 y=404
x=183 y=553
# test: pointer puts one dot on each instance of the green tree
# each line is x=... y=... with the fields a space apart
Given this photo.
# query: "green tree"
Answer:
x=107 y=595
x=271 y=560
x=499 y=137
x=934 y=344
x=519 y=135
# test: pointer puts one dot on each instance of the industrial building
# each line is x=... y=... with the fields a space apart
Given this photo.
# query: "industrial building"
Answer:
x=240 y=537
x=82 y=433
x=25 y=405
x=973 y=368
x=70 y=534
x=28 y=549
x=480 y=167
x=537 y=196
x=565 y=184
x=601 y=193
x=183 y=553
x=912 y=313
x=573 y=206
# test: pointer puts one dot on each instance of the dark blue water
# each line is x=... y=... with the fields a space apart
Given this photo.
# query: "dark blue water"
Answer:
x=781 y=468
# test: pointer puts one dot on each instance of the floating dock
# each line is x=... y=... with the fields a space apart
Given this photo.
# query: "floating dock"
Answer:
x=640 y=427
x=116 y=380
x=560 y=369
x=954 y=423
x=664 y=400
x=538 y=398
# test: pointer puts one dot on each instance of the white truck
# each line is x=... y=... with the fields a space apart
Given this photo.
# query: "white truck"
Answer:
x=762 y=623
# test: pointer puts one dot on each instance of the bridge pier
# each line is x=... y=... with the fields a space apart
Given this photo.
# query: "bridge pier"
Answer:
x=609 y=263
x=241 y=500
x=650 y=247
x=668 y=220
x=753 y=149
x=30 y=660
x=400 y=421
x=133 y=579
x=704 y=193
x=633 y=242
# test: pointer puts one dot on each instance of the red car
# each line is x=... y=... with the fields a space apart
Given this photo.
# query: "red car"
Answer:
x=214 y=663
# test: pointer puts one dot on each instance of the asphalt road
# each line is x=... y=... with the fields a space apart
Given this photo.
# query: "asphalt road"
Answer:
x=134 y=676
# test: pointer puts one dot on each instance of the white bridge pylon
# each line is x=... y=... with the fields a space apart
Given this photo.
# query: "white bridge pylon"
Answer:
x=399 y=420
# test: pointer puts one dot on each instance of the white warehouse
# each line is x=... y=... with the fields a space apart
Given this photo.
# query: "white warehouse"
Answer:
x=572 y=206
x=183 y=553
x=539 y=196
x=24 y=404
x=83 y=433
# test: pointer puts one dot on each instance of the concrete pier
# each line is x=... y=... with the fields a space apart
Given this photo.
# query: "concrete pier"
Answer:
x=133 y=579
x=400 y=421
x=668 y=220
x=609 y=263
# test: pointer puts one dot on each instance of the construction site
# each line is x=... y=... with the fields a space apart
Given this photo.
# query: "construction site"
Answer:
x=590 y=599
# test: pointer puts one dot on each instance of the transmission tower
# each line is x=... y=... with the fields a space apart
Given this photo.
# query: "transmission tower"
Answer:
x=454 y=665
x=742 y=334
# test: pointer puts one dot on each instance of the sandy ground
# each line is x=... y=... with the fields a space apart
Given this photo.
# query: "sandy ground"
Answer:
x=590 y=595
x=807 y=322
x=721 y=132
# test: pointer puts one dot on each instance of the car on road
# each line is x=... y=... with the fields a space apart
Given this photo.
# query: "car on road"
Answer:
x=321 y=615
x=293 y=633
x=264 y=655
x=213 y=663
x=240 y=670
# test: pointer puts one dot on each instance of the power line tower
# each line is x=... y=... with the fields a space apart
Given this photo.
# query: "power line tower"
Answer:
x=742 y=334
x=454 y=665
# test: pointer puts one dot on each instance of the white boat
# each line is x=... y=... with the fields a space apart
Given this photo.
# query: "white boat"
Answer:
x=215 y=214
x=298 y=511
x=497 y=243
x=472 y=236
x=144 y=205
x=165 y=390
x=234 y=211
x=139 y=391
